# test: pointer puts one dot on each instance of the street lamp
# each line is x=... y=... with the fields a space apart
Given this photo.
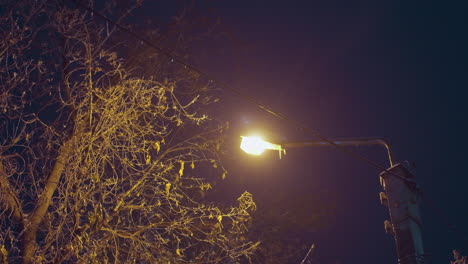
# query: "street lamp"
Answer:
x=255 y=145
x=401 y=192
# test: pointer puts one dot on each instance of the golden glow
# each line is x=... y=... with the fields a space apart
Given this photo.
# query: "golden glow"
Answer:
x=256 y=145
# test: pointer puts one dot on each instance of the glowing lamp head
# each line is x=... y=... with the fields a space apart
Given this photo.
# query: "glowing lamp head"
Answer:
x=256 y=146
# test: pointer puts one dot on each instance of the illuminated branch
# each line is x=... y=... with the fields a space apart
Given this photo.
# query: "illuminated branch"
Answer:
x=115 y=161
x=8 y=199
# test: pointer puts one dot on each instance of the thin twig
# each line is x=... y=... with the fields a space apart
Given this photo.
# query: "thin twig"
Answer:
x=312 y=247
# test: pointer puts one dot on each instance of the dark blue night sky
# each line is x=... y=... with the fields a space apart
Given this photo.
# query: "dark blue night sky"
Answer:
x=394 y=69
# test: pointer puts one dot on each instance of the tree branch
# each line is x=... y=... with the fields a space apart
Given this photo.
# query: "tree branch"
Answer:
x=8 y=197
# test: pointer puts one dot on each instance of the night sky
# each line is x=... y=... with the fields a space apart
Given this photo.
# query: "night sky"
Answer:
x=392 y=69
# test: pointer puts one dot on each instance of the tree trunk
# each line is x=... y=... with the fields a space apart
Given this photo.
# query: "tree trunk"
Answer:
x=32 y=222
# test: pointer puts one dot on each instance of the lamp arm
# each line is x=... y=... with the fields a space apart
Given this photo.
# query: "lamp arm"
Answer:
x=343 y=142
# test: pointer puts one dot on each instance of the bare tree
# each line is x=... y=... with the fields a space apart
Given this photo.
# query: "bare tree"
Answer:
x=99 y=162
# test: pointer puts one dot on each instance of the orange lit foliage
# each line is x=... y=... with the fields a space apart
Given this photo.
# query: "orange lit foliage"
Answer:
x=98 y=162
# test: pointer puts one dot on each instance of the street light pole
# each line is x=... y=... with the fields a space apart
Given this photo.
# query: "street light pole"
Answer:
x=401 y=194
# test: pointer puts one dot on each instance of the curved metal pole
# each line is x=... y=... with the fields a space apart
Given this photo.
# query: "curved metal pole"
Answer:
x=343 y=142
